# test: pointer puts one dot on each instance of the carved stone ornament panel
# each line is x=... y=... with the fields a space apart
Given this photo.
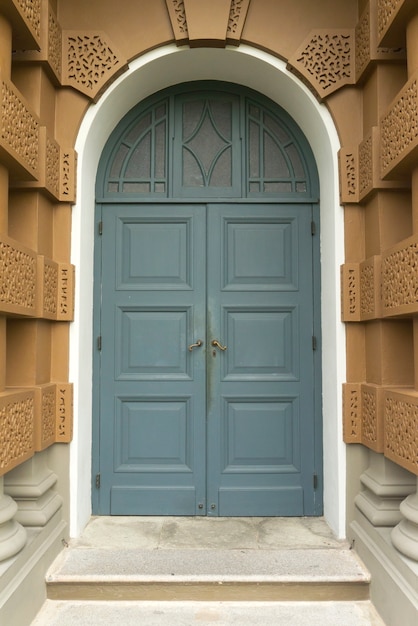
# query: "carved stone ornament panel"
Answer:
x=363 y=420
x=45 y=415
x=90 y=60
x=190 y=24
x=238 y=13
x=64 y=415
x=66 y=285
x=392 y=16
x=18 y=275
x=399 y=129
x=372 y=417
x=400 y=278
x=19 y=143
x=25 y=18
x=17 y=410
x=401 y=428
x=31 y=10
x=363 y=43
x=47 y=288
x=366 y=42
x=348 y=166
x=370 y=288
x=49 y=53
x=177 y=13
x=350 y=292
x=352 y=412
x=68 y=167
x=326 y=61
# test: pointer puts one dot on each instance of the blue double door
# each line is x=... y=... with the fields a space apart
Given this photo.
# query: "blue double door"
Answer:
x=206 y=365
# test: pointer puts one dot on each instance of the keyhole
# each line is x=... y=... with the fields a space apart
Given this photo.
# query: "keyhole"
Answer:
x=214 y=353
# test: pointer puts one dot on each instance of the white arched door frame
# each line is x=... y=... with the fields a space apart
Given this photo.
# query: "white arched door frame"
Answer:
x=244 y=65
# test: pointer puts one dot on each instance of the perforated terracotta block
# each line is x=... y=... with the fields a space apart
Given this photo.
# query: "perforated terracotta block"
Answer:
x=17 y=414
x=400 y=278
x=64 y=416
x=401 y=427
x=18 y=276
x=45 y=415
x=19 y=143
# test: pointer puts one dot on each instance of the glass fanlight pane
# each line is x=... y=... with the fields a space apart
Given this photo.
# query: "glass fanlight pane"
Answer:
x=192 y=113
x=222 y=117
x=254 y=150
x=222 y=172
x=160 y=148
x=192 y=174
x=298 y=168
x=136 y=188
x=118 y=161
x=274 y=164
x=277 y=187
x=140 y=161
x=279 y=133
x=139 y=128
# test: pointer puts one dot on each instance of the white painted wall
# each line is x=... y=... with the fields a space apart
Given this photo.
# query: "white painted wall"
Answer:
x=258 y=70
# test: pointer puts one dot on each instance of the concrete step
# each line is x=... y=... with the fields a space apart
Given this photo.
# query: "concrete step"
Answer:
x=56 y=613
x=216 y=575
x=181 y=572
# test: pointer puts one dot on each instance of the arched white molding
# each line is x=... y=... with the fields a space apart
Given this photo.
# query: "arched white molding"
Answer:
x=258 y=70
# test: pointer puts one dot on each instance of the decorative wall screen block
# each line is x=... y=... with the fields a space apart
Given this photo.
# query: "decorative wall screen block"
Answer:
x=45 y=415
x=49 y=53
x=64 y=413
x=17 y=415
x=400 y=278
x=19 y=143
x=214 y=23
x=350 y=292
x=25 y=17
x=399 y=131
x=326 y=60
x=392 y=17
x=18 y=278
x=90 y=60
x=401 y=428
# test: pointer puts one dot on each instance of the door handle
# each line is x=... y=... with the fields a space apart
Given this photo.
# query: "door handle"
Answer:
x=216 y=344
x=198 y=343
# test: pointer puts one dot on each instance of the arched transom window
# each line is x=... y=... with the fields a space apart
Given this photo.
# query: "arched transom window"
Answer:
x=204 y=141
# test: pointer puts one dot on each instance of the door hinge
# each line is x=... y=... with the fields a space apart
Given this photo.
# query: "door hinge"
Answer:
x=313 y=228
x=314 y=342
x=97 y=481
x=315 y=481
x=100 y=228
x=99 y=342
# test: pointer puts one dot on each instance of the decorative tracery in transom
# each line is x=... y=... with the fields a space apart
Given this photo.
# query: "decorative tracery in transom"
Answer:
x=208 y=143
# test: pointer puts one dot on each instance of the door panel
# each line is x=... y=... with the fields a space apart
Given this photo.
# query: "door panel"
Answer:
x=261 y=394
x=153 y=388
x=219 y=430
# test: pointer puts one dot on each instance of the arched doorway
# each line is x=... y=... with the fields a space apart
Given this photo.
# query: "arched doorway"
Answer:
x=207 y=266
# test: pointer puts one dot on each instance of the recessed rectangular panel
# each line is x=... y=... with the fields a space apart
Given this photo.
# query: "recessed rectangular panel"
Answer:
x=151 y=344
x=153 y=254
x=152 y=436
x=261 y=436
x=135 y=500
x=262 y=344
x=273 y=501
x=260 y=255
